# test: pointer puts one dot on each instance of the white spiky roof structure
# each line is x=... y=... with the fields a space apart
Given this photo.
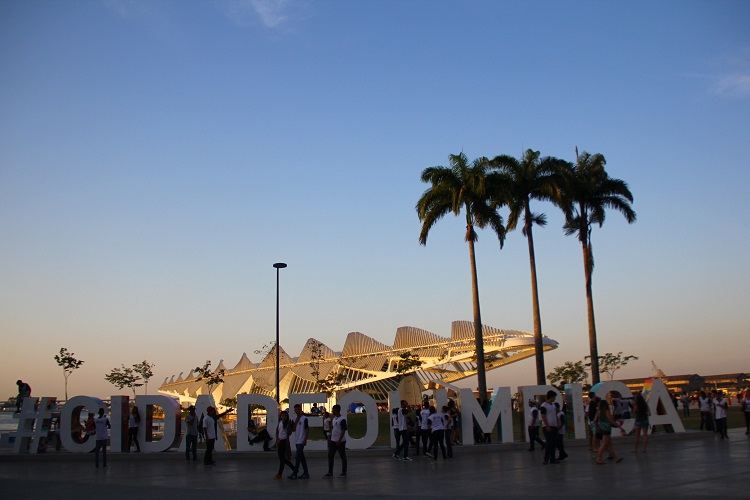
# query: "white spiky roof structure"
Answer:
x=365 y=364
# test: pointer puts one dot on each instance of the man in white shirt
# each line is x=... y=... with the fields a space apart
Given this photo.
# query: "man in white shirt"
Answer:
x=437 y=426
x=191 y=434
x=337 y=443
x=209 y=430
x=403 y=432
x=101 y=424
x=720 y=407
x=423 y=431
x=550 y=423
x=301 y=428
x=532 y=422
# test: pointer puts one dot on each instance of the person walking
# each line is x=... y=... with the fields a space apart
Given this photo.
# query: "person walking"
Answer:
x=423 y=429
x=337 y=443
x=605 y=421
x=396 y=431
x=550 y=423
x=532 y=422
x=191 y=434
x=209 y=431
x=642 y=426
x=101 y=423
x=591 y=415
x=403 y=429
x=437 y=427
x=301 y=429
x=134 y=420
x=283 y=449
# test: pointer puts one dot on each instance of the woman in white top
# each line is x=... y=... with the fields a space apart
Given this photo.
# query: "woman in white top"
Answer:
x=437 y=426
x=282 y=443
x=134 y=420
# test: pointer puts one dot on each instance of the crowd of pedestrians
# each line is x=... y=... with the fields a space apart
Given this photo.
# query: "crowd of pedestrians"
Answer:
x=432 y=433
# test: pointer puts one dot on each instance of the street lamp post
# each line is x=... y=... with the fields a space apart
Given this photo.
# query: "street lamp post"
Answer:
x=278 y=265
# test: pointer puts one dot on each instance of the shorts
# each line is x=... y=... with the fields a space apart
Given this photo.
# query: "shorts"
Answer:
x=641 y=424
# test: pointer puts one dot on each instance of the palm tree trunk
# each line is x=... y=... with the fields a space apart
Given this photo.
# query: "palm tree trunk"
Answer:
x=478 y=339
x=541 y=378
x=594 y=350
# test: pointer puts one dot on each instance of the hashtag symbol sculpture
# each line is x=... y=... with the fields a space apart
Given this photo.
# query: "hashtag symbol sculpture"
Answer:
x=33 y=425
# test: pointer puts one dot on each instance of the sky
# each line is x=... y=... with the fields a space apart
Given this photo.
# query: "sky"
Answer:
x=157 y=157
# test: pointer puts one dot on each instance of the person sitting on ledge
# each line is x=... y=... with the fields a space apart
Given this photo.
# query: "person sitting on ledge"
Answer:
x=255 y=436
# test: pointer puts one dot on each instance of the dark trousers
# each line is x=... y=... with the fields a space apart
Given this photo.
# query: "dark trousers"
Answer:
x=438 y=438
x=423 y=435
x=101 y=444
x=721 y=427
x=133 y=436
x=299 y=458
x=550 y=436
x=333 y=447
x=397 y=435
x=191 y=445
x=281 y=447
x=208 y=457
x=404 y=445
x=559 y=445
x=448 y=442
x=261 y=436
x=534 y=437
x=747 y=420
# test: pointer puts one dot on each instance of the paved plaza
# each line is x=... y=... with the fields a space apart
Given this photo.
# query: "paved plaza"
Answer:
x=689 y=464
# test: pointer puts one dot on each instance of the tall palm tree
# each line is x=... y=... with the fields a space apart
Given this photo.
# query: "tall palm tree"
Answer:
x=531 y=178
x=587 y=193
x=453 y=189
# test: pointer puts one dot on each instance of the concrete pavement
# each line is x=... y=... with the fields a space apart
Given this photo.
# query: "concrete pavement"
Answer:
x=687 y=464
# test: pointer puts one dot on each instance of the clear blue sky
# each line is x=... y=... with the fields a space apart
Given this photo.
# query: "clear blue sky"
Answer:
x=157 y=157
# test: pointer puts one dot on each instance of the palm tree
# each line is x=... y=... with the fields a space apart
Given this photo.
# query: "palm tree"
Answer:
x=531 y=178
x=587 y=193
x=453 y=189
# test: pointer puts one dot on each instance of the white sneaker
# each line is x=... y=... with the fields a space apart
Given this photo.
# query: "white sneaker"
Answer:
x=429 y=455
x=407 y=459
x=396 y=457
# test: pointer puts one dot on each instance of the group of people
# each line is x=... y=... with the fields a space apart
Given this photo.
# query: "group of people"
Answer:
x=298 y=427
x=602 y=417
x=713 y=407
x=432 y=430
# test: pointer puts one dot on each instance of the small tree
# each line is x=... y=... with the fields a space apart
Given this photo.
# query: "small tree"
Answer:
x=406 y=364
x=124 y=377
x=210 y=377
x=69 y=364
x=610 y=363
x=316 y=356
x=144 y=370
x=568 y=373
